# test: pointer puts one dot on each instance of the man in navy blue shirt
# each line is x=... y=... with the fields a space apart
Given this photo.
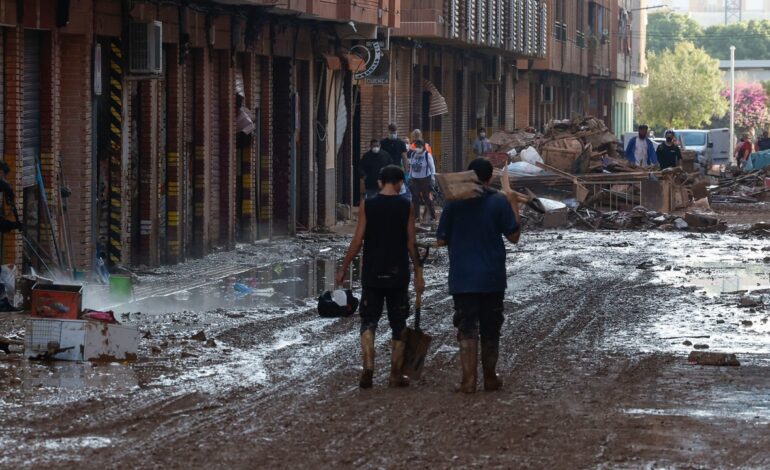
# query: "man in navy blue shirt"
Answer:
x=473 y=229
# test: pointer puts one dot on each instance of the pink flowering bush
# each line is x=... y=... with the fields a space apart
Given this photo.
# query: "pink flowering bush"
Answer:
x=750 y=105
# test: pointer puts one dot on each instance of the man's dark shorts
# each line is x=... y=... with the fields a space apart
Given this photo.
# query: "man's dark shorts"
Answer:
x=372 y=302
x=479 y=313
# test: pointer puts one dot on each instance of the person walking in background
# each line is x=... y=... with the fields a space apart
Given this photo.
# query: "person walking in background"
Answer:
x=668 y=153
x=417 y=135
x=482 y=145
x=369 y=169
x=395 y=147
x=743 y=151
x=422 y=171
x=387 y=234
x=640 y=151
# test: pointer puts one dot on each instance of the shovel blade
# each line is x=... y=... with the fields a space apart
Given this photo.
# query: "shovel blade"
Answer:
x=417 y=344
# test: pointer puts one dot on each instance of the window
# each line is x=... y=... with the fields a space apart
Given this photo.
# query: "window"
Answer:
x=693 y=138
x=560 y=25
x=580 y=38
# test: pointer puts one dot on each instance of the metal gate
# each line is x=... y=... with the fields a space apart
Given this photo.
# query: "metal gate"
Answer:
x=31 y=106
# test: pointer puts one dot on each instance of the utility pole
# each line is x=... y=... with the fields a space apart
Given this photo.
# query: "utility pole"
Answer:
x=733 y=11
x=732 y=101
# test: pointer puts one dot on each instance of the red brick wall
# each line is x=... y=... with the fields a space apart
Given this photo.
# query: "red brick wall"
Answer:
x=521 y=105
x=14 y=59
x=75 y=136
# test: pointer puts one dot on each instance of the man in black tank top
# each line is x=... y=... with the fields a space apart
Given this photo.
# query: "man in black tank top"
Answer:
x=386 y=232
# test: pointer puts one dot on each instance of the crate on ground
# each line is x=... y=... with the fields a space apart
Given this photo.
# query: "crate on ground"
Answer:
x=79 y=340
x=60 y=301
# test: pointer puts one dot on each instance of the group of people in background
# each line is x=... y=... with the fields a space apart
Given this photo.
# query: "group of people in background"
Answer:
x=414 y=156
x=641 y=151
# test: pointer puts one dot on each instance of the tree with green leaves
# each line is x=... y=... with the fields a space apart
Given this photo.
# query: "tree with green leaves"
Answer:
x=684 y=89
x=750 y=38
x=666 y=29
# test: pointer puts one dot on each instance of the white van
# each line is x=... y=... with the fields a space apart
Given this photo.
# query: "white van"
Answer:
x=712 y=147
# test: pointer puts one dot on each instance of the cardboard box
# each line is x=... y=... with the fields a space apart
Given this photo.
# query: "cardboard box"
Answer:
x=57 y=301
x=79 y=340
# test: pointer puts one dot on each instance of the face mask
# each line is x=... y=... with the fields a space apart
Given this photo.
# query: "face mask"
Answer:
x=669 y=139
x=482 y=135
x=375 y=150
x=419 y=151
x=394 y=136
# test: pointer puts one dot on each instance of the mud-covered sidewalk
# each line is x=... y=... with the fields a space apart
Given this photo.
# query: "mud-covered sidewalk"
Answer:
x=593 y=356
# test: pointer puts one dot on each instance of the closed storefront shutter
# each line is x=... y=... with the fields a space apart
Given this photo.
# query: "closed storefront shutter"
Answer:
x=2 y=95
x=31 y=106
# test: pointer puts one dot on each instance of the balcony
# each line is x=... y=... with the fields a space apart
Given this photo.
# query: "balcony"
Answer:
x=374 y=12
x=515 y=26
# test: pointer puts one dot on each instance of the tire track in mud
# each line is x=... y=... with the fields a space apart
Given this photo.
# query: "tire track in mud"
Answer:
x=310 y=413
x=544 y=332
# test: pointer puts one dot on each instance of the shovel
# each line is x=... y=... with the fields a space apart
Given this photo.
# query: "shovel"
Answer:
x=417 y=342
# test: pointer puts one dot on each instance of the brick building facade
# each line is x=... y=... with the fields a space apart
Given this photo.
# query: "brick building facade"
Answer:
x=138 y=108
x=595 y=54
x=157 y=167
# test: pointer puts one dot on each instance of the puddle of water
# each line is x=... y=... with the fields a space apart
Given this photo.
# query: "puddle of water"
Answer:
x=720 y=278
x=757 y=414
x=78 y=376
x=279 y=284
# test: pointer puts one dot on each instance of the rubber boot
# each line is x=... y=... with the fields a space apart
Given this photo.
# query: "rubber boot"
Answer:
x=367 y=351
x=469 y=349
x=397 y=378
x=489 y=352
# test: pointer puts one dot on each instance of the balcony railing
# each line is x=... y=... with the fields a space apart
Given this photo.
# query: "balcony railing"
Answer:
x=518 y=26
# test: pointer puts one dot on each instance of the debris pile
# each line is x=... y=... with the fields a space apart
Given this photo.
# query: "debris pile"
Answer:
x=579 y=215
x=742 y=188
x=580 y=145
x=504 y=141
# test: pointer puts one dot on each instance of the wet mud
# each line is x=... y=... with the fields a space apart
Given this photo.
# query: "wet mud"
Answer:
x=236 y=369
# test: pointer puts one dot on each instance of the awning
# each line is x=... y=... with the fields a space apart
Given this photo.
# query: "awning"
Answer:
x=438 y=104
x=333 y=62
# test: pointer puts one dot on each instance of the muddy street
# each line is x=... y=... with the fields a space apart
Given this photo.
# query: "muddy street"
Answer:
x=598 y=328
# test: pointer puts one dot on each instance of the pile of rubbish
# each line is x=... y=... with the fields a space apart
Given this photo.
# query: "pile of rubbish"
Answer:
x=580 y=145
x=639 y=218
x=742 y=188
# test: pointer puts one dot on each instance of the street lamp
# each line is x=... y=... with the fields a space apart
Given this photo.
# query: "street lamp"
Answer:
x=732 y=101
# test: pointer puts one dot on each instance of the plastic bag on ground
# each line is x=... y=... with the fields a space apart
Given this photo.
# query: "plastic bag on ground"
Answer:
x=523 y=169
x=552 y=205
x=531 y=156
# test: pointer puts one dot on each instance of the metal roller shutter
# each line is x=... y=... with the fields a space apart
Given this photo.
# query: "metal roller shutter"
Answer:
x=31 y=106
x=2 y=95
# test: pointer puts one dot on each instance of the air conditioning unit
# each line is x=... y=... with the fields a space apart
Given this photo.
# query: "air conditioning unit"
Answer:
x=145 y=53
